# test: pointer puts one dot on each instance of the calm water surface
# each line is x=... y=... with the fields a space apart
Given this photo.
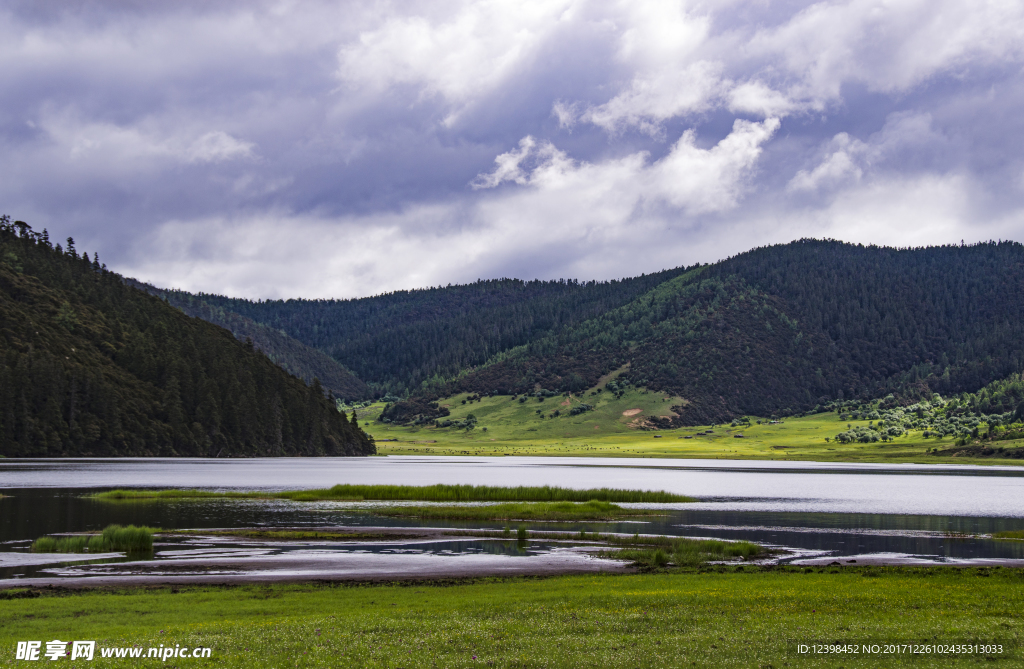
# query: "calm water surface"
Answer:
x=837 y=509
x=721 y=484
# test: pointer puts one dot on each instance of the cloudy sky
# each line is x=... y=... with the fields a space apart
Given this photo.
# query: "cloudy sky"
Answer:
x=339 y=149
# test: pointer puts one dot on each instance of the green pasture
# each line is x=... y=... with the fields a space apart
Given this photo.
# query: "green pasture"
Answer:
x=613 y=428
x=706 y=617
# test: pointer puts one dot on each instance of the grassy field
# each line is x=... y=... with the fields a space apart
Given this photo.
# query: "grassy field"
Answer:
x=612 y=429
x=713 y=617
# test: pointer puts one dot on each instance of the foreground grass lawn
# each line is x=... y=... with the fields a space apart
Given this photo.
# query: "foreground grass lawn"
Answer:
x=709 y=618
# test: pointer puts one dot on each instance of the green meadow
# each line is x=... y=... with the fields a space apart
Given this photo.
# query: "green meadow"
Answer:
x=615 y=428
x=706 y=617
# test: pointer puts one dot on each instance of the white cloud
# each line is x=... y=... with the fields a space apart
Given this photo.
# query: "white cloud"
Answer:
x=660 y=42
x=107 y=146
x=508 y=168
x=460 y=56
x=217 y=146
x=684 y=66
x=887 y=46
x=846 y=158
x=754 y=97
x=908 y=211
x=658 y=96
x=567 y=113
x=689 y=178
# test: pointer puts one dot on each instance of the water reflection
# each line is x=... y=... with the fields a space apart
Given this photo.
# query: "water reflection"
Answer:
x=720 y=484
x=30 y=513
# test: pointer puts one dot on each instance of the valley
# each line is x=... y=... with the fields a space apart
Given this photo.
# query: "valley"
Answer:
x=613 y=428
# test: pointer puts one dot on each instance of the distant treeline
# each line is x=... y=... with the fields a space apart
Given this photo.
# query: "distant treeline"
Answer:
x=92 y=366
x=407 y=340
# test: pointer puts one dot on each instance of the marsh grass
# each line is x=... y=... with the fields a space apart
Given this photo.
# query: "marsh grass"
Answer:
x=431 y=493
x=118 y=495
x=1009 y=534
x=592 y=510
x=113 y=539
x=658 y=552
x=301 y=535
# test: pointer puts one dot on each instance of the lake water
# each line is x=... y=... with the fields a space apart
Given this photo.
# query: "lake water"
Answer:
x=946 y=490
x=812 y=508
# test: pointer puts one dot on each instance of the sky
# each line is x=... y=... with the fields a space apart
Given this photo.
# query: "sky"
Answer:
x=275 y=149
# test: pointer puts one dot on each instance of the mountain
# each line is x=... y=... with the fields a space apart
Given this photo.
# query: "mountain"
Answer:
x=407 y=340
x=774 y=331
x=293 y=356
x=91 y=366
x=780 y=329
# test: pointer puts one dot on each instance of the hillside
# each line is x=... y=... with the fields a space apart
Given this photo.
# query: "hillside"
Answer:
x=403 y=341
x=781 y=329
x=775 y=331
x=293 y=356
x=90 y=366
x=617 y=420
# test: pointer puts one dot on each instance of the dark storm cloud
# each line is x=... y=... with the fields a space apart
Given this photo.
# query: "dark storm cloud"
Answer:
x=336 y=149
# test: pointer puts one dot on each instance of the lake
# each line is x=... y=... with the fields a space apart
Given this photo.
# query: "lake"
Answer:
x=812 y=508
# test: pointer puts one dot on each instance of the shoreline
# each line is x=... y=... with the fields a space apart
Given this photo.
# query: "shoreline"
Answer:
x=311 y=560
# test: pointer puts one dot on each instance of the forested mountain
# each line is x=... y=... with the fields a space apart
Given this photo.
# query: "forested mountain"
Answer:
x=293 y=356
x=92 y=366
x=776 y=330
x=782 y=328
x=398 y=341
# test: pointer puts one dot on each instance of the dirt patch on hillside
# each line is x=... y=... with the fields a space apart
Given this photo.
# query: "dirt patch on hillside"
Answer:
x=632 y=412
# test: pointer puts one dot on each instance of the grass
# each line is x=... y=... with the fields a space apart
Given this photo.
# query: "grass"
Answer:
x=1009 y=534
x=432 y=493
x=114 y=538
x=299 y=535
x=169 y=494
x=709 y=617
x=684 y=552
x=514 y=428
x=592 y=510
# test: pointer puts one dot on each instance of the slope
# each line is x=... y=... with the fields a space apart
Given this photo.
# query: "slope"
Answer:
x=780 y=329
x=407 y=340
x=293 y=356
x=90 y=366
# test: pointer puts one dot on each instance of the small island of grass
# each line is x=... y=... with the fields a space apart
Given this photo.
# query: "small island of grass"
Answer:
x=431 y=493
x=114 y=538
x=590 y=510
x=1014 y=535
